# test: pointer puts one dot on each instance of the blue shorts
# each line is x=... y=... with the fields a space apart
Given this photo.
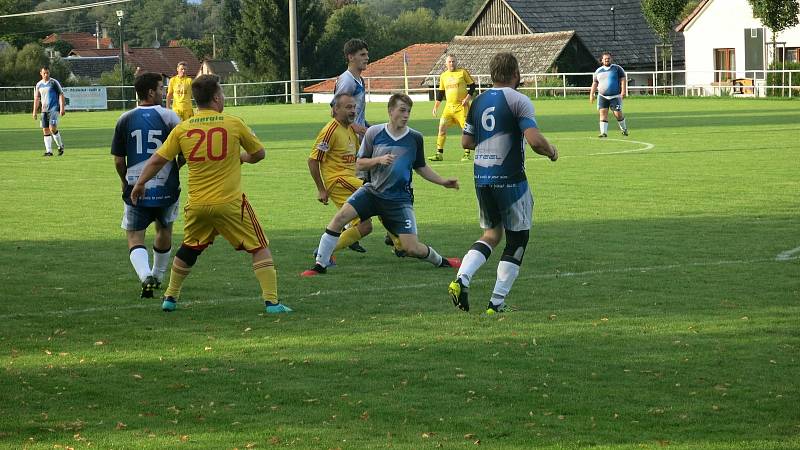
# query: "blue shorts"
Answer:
x=50 y=119
x=137 y=218
x=614 y=104
x=509 y=205
x=397 y=217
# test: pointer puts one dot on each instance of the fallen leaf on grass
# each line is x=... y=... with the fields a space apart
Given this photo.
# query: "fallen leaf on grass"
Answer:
x=121 y=426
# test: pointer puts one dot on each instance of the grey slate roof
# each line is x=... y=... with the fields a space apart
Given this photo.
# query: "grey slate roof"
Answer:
x=536 y=53
x=633 y=43
x=91 y=67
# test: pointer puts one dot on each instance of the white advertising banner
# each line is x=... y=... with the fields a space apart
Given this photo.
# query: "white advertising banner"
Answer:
x=86 y=97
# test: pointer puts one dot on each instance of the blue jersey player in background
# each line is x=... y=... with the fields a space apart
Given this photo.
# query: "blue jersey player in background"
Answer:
x=48 y=91
x=389 y=153
x=611 y=85
x=498 y=124
x=138 y=134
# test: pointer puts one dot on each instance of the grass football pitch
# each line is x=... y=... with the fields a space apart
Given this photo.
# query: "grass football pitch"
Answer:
x=658 y=304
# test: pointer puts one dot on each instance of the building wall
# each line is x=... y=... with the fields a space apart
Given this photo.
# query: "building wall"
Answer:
x=721 y=25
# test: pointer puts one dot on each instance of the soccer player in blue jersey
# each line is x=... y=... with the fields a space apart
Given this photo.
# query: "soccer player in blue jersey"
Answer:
x=350 y=82
x=138 y=134
x=48 y=91
x=611 y=85
x=499 y=123
x=389 y=153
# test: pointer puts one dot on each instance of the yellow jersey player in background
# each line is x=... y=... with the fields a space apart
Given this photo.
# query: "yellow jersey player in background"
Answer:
x=332 y=164
x=179 y=93
x=458 y=87
x=211 y=142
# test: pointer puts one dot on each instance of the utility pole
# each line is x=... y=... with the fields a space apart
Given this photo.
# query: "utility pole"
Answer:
x=97 y=32
x=213 y=46
x=121 y=16
x=293 y=50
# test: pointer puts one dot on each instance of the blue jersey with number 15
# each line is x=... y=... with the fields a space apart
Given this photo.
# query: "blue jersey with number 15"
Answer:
x=497 y=120
x=138 y=134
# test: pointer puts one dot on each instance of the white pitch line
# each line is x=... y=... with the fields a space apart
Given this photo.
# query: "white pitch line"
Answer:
x=339 y=292
x=788 y=255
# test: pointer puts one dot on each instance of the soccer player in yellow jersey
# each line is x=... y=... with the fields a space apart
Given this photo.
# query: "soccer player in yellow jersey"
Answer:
x=210 y=142
x=179 y=93
x=458 y=87
x=332 y=164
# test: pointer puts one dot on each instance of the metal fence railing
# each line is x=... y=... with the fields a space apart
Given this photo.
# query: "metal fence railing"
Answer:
x=773 y=83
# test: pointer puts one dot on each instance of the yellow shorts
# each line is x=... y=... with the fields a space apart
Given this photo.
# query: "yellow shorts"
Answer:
x=342 y=188
x=184 y=114
x=453 y=115
x=235 y=221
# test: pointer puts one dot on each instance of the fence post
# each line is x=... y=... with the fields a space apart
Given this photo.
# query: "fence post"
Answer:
x=790 y=84
x=564 y=84
x=654 y=84
x=536 y=85
x=235 y=96
x=479 y=84
x=286 y=91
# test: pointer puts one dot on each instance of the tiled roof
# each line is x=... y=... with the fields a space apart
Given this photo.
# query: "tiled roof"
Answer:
x=696 y=12
x=421 y=57
x=536 y=53
x=78 y=40
x=91 y=67
x=625 y=32
x=159 y=60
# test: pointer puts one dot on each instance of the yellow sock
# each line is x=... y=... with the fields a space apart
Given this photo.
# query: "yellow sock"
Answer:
x=176 y=277
x=347 y=237
x=440 y=141
x=396 y=241
x=268 y=279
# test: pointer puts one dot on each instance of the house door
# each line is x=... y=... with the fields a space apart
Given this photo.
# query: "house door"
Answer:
x=754 y=52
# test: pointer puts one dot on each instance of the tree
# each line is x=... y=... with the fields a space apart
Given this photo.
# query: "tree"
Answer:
x=62 y=47
x=777 y=15
x=202 y=48
x=346 y=23
x=662 y=15
x=17 y=30
x=262 y=44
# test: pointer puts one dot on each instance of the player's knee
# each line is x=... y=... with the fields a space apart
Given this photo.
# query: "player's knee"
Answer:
x=516 y=242
x=365 y=228
x=188 y=255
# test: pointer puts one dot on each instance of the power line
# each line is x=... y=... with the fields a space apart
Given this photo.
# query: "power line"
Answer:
x=66 y=8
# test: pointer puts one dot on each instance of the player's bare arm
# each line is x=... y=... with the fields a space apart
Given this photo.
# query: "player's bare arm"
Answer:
x=122 y=168
x=61 y=102
x=540 y=145
x=252 y=158
x=468 y=141
x=623 y=88
x=35 y=102
x=592 y=91
x=359 y=129
x=369 y=163
x=322 y=193
x=153 y=166
x=428 y=173
x=436 y=107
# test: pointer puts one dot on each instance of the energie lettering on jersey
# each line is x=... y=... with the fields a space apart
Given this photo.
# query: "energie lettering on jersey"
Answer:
x=454 y=83
x=335 y=148
x=210 y=142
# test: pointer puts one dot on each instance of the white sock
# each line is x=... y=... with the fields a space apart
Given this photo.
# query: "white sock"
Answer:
x=622 y=125
x=433 y=257
x=327 y=243
x=48 y=144
x=472 y=261
x=141 y=262
x=161 y=263
x=57 y=138
x=603 y=127
x=506 y=274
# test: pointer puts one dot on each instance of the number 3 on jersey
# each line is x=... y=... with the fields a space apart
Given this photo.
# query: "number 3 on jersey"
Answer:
x=200 y=152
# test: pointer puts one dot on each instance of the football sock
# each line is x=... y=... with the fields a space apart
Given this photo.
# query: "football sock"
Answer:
x=268 y=279
x=57 y=138
x=48 y=143
x=473 y=260
x=622 y=125
x=395 y=241
x=507 y=272
x=327 y=244
x=176 y=277
x=440 y=138
x=160 y=262
x=140 y=261
x=603 y=127
x=433 y=257
x=348 y=236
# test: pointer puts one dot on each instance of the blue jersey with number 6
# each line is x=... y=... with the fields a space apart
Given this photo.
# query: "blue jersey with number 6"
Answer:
x=497 y=120
x=138 y=134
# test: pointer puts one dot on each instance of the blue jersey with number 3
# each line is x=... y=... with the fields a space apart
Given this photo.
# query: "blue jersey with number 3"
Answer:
x=138 y=134
x=497 y=120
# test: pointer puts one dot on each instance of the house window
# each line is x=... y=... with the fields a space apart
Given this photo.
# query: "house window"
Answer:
x=724 y=62
x=792 y=54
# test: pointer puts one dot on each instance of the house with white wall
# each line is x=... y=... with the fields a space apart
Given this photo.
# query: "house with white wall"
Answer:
x=724 y=42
